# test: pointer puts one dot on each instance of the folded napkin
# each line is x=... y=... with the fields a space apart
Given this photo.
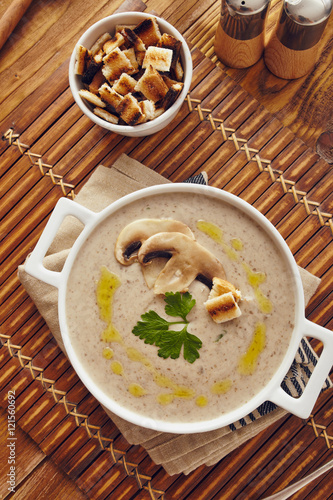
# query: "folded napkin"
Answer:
x=177 y=453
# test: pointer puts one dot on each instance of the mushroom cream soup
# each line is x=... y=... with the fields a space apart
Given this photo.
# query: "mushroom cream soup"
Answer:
x=220 y=366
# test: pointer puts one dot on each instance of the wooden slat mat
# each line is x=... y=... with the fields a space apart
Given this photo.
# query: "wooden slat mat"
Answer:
x=48 y=150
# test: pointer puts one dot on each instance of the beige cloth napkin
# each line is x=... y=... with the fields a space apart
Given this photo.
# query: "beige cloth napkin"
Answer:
x=175 y=452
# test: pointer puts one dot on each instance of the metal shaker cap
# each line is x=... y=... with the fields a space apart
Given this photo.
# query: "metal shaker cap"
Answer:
x=308 y=12
x=302 y=22
x=247 y=7
x=243 y=19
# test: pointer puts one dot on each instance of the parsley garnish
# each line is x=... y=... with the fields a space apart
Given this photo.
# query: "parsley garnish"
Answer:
x=154 y=330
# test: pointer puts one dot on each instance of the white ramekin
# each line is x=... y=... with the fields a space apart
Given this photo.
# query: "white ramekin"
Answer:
x=108 y=24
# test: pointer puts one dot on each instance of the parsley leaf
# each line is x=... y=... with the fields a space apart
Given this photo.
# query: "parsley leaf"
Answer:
x=179 y=304
x=151 y=327
x=155 y=330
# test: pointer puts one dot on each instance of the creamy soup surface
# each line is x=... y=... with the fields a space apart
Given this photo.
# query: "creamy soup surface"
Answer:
x=237 y=358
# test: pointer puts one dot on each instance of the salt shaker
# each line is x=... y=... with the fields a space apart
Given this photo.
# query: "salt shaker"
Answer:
x=294 y=46
x=239 y=39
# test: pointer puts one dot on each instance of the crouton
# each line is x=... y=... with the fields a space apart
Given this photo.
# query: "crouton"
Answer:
x=90 y=97
x=223 y=308
x=133 y=40
x=130 y=54
x=140 y=55
x=90 y=71
x=97 y=82
x=117 y=41
x=125 y=84
x=178 y=71
x=83 y=57
x=99 y=56
x=116 y=63
x=170 y=96
x=158 y=58
x=105 y=115
x=170 y=42
x=151 y=85
x=98 y=45
x=130 y=111
x=149 y=110
x=168 y=81
x=148 y=30
x=110 y=96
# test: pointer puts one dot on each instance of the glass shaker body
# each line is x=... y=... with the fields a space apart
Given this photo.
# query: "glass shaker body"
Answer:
x=294 y=46
x=239 y=39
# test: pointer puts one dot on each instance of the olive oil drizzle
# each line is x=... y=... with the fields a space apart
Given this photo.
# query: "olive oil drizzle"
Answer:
x=106 y=287
x=248 y=362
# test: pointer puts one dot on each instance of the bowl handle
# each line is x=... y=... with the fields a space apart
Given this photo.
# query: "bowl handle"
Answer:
x=34 y=263
x=303 y=405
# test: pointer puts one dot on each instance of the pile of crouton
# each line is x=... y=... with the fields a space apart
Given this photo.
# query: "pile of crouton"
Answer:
x=133 y=76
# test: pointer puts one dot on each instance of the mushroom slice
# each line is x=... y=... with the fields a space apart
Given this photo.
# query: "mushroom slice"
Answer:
x=188 y=260
x=134 y=234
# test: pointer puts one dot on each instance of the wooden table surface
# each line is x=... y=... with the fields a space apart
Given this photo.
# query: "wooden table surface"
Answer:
x=32 y=59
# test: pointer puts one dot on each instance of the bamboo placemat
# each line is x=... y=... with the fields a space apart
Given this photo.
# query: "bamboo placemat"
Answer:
x=49 y=150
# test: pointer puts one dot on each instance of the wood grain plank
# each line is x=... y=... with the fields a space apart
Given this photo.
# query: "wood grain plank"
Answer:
x=46 y=95
x=27 y=456
x=48 y=481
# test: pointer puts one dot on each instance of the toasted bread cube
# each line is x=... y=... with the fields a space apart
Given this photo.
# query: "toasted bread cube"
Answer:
x=90 y=71
x=140 y=55
x=148 y=30
x=170 y=42
x=83 y=57
x=158 y=58
x=105 y=115
x=170 y=96
x=223 y=308
x=221 y=286
x=90 y=97
x=116 y=63
x=130 y=54
x=99 y=56
x=168 y=81
x=97 y=82
x=98 y=45
x=148 y=108
x=178 y=71
x=110 y=96
x=133 y=39
x=115 y=42
x=129 y=110
x=151 y=85
x=125 y=84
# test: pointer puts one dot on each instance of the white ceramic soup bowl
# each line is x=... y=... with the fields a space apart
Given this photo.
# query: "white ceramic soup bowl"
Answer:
x=273 y=392
x=108 y=25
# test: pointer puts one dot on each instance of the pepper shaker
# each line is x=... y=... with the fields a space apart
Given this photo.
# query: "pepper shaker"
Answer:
x=294 y=46
x=239 y=39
